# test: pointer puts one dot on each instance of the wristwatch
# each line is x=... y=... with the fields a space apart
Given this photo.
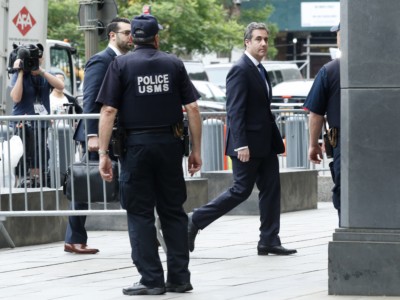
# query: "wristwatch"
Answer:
x=103 y=152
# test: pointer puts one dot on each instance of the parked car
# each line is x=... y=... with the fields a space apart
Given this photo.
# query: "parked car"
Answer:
x=278 y=71
x=282 y=71
x=212 y=97
x=291 y=93
x=195 y=70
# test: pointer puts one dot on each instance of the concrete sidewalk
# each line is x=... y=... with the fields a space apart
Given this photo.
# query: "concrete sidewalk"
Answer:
x=224 y=265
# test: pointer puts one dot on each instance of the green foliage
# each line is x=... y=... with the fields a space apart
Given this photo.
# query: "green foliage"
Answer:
x=191 y=25
x=63 y=20
x=201 y=26
x=63 y=23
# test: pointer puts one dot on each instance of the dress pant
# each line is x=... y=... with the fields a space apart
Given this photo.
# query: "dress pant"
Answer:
x=76 y=232
x=264 y=172
x=152 y=177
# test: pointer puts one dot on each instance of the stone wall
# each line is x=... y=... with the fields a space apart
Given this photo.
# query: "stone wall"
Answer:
x=299 y=192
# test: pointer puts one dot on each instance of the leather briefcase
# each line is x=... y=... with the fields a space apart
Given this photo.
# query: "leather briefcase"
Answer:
x=77 y=174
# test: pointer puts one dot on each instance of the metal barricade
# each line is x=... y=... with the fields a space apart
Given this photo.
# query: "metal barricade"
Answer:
x=63 y=151
x=296 y=133
x=212 y=146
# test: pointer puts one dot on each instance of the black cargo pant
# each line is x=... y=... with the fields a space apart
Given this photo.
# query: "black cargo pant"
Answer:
x=152 y=176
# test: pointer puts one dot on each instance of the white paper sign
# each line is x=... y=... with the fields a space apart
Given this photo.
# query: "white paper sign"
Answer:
x=320 y=14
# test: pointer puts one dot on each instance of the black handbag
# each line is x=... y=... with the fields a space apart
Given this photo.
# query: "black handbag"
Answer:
x=77 y=174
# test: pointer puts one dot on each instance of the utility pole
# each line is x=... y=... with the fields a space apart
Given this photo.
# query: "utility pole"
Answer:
x=88 y=20
x=94 y=15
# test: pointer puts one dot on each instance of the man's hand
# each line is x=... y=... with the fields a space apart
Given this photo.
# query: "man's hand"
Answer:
x=194 y=163
x=93 y=143
x=105 y=168
x=315 y=154
x=244 y=155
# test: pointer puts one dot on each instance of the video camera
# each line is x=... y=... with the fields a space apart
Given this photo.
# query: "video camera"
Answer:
x=29 y=55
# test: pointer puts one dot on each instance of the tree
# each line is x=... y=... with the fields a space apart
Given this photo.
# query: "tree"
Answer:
x=63 y=23
x=191 y=25
x=63 y=20
x=200 y=26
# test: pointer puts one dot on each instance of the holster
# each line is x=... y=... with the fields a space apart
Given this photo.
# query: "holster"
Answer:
x=333 y=135
x=186 y=141
x=118 y=141
x=177 y=129
x=328 y=146
x=181 y=130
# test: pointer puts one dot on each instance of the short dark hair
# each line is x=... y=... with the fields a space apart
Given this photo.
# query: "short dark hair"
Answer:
x=113 y=25
x=143 y=41
x=251 y=27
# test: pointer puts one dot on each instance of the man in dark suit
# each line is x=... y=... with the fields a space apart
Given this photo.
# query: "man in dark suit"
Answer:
x=253 y=142
x=120 y=42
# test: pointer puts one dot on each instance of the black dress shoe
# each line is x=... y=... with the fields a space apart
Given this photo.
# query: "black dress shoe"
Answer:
x=178 y=288
x=192 y=232
x=140 y=289
x=277 y=250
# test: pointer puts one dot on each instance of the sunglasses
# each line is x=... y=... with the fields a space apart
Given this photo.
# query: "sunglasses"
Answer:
x=126 y=32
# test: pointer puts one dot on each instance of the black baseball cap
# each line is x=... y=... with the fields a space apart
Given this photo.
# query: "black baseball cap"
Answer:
x=145 y=26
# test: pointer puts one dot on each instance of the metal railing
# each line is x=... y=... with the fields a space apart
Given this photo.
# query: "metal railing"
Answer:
x=60 y=151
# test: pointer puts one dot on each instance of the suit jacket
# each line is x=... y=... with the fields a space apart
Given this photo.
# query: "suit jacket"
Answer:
x=95 y=70
x=249 y=118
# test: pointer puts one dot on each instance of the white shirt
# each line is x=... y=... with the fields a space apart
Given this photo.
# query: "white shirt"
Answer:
x=115 y=50
x=56 y=105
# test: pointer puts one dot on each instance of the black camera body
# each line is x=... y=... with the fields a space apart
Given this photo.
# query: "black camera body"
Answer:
x=29 y=55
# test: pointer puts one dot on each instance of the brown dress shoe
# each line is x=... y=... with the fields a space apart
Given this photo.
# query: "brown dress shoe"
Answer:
x=79 y=249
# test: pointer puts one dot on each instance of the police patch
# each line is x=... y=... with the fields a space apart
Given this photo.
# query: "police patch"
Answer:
x=153 y=84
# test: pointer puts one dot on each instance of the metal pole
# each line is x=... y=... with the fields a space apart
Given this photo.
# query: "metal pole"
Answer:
x=294 y=48
x=308 y=57
x=90 y=27
x=5 y=233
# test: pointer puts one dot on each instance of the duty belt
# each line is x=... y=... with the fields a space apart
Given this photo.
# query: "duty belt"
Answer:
x=150 y=130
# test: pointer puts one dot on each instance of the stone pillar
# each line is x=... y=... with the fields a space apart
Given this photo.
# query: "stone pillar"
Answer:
x=364 y=256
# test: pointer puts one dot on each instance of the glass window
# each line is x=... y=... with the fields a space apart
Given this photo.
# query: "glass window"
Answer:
x=60 y=62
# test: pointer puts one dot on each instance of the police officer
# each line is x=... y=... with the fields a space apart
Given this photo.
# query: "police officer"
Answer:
x=148 y=88
x=324 y=98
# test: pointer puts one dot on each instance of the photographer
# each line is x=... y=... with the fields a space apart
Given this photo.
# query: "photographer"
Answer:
x=30 y=92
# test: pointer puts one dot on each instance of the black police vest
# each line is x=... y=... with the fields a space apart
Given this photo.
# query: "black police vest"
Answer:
x=151 y=97
x=333 y=109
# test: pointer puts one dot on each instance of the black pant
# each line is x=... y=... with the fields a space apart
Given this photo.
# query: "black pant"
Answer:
x=34 y=137
x=264 y=172
x=152 y=176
